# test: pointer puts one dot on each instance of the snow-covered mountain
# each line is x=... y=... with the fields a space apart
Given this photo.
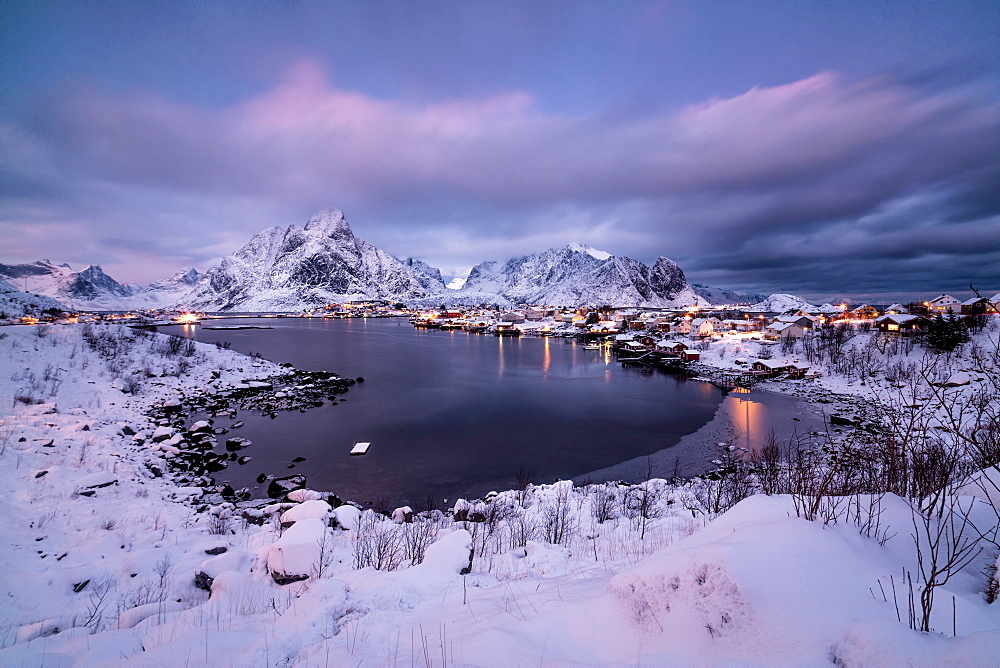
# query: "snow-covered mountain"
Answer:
x=300 y=267
x=580 y=275
x=89 y=289
x=780 y=302
x=456 y=283
x=429 y=277
x=719 y=296
x=15 y=303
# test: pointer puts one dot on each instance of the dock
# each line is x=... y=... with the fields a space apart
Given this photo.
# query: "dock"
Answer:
x=360 y=448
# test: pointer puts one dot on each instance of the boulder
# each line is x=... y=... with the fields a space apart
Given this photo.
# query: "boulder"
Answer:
x=295 y=556
x=279 y=487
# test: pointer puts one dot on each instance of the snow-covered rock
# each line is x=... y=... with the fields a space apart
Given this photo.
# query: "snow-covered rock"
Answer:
x=296 y=554
x=314 y=509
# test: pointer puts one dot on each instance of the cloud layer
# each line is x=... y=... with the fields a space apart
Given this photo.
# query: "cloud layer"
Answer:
x=822 y=186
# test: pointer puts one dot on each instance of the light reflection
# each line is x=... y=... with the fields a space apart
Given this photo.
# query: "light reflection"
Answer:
x=500 y=365
x=546 y=357
x=750 y=417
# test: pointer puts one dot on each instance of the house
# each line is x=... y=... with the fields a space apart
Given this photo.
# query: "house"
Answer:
x=660 y=324
x=894 y=309
x=783 y=330
x=769 y=368
x=671 y=347
x=632 y=348
x=978 y=306
x=901 y=323
x=797 y=369
x=533 y=314
x=690 y=355
x=865 y=312
x=512 y=317
x=944 y=304
x=741 y=325
x=804 y=321
x=701 y=326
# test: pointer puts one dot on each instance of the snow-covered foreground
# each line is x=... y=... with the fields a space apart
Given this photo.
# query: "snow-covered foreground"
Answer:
x=101 y=556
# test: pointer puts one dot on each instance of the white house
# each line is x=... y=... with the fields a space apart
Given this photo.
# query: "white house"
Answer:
x=784 y=330
x=944 y=304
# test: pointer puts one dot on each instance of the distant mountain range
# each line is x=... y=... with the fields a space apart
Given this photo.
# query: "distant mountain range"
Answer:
x=297 y=268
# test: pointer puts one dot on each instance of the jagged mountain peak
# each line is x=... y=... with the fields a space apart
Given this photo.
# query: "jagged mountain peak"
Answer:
x=302 y=267
x=330 y=223
x=578 y=275
x=589 y=250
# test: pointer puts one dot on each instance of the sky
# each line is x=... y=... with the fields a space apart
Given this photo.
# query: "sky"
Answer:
x=827 y=149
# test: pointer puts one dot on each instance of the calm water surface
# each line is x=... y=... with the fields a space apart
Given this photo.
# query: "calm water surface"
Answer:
x=454 y=414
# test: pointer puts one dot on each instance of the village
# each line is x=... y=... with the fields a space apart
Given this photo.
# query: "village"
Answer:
x=673 y=339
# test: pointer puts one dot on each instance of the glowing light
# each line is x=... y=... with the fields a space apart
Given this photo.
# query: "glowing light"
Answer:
x=187 y=318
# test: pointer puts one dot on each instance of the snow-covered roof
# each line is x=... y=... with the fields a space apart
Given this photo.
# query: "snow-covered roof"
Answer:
x=898 y=318
x=780 y=326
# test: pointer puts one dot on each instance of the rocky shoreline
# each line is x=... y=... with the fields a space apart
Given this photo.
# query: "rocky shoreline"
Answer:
x=195 y=449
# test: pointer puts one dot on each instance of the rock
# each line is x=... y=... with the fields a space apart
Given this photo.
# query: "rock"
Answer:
x=314 y=508
x=956 y=379
x=238 y=443
x=172 y=406
x=203 y=426
x=279 y=487
x=97 y=481
x=293 y=556
x=216 y=550
x=162 y=434
x=128 y=431
x=402 y=515
x=842 y=421
x=203 y=581
x=359 y=379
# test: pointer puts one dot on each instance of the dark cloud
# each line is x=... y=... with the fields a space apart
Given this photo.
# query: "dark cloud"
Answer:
x=821 y=185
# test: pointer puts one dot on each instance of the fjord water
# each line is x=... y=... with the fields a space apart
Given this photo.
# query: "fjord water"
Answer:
x=453 y=414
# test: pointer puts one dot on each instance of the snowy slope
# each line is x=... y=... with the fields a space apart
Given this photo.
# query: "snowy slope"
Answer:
x=101 y=554
x=14 y=303
x=580 y=275
x=300 y=267
x=429 y=277
x=719 y=296
x=779 y=303
x=89 y=289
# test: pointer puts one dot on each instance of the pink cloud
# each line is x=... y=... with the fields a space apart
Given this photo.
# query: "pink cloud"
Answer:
x=307 y=138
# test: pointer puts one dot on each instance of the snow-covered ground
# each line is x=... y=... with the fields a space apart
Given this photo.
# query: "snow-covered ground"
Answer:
x=101 y=556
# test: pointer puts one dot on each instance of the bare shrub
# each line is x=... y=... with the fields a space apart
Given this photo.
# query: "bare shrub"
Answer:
x=602 y=503
x=377 y=543
x=557 y=516
x=417 y=536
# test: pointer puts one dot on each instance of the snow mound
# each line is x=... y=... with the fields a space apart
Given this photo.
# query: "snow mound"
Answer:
x=779 y=303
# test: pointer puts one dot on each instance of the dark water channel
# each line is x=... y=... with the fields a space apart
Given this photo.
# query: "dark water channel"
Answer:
x=454 y=414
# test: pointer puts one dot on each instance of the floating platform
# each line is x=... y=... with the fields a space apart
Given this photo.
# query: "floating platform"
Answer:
x=360 y=448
